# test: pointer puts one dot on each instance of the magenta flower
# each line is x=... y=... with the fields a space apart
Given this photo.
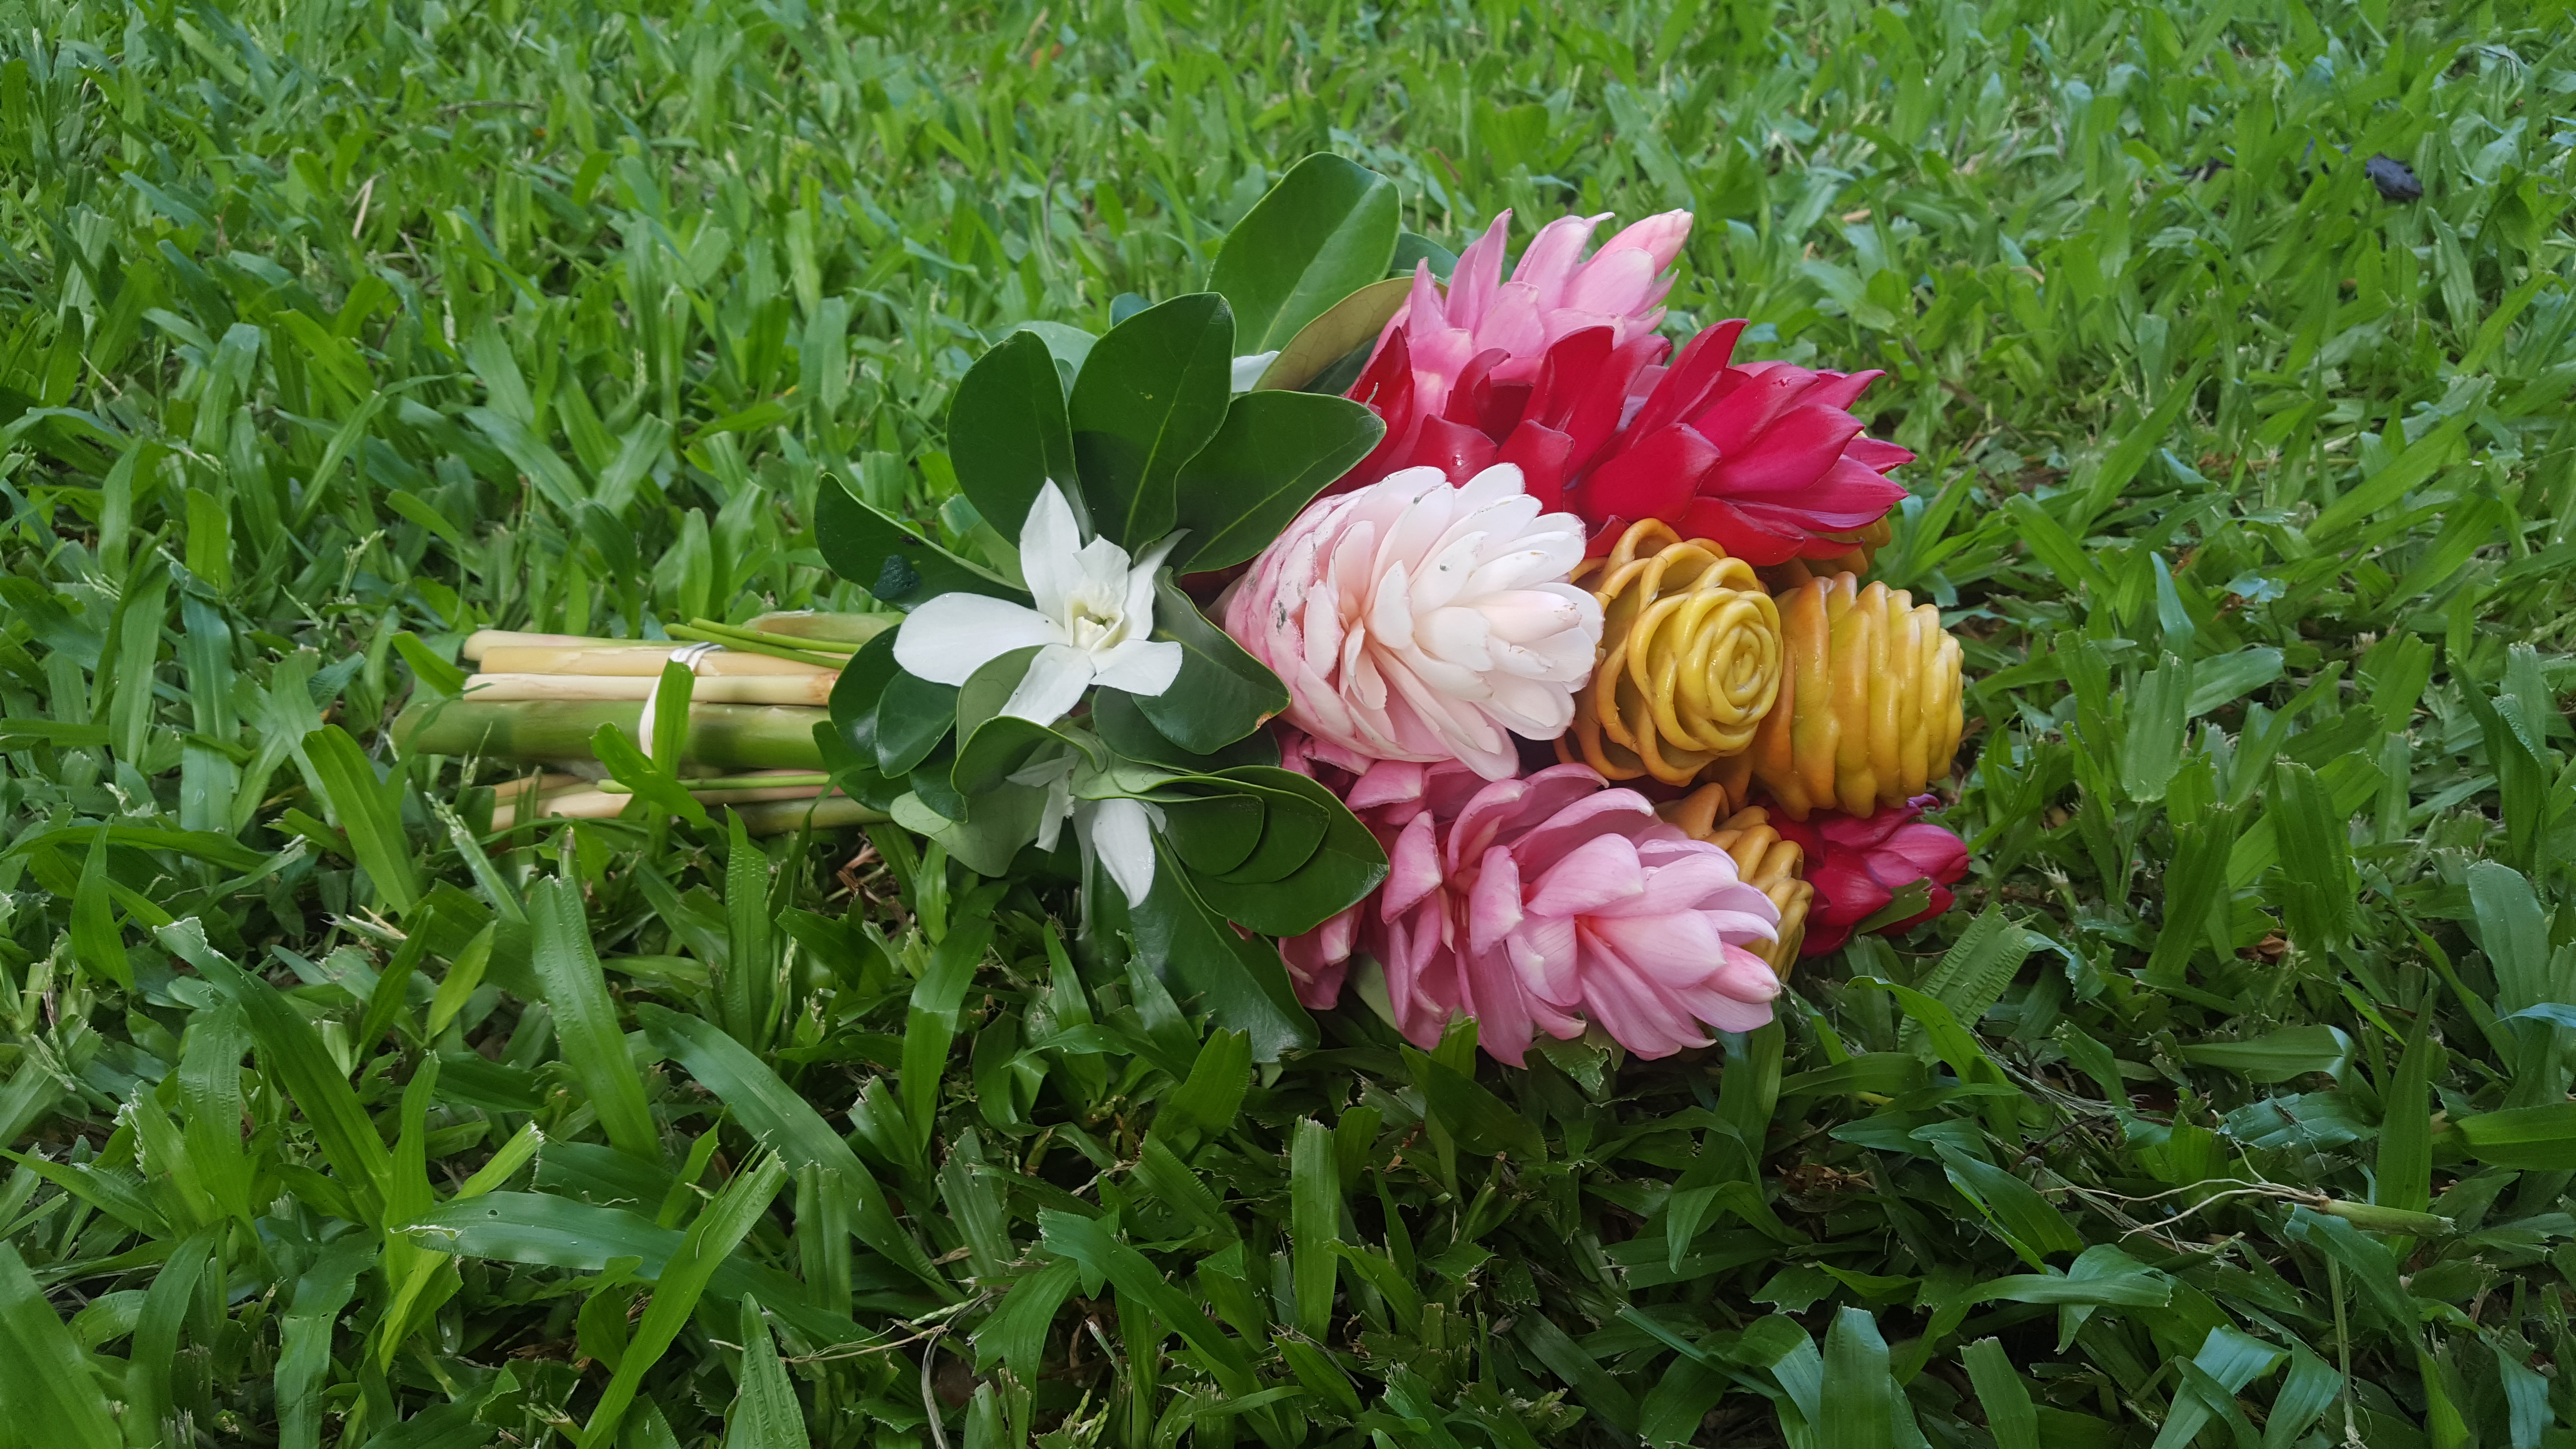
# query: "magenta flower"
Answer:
x=1857 y=865
x=1547 y=904
x=1554 y=293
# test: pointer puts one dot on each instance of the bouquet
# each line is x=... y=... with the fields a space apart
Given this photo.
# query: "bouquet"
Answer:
x=1370 y=623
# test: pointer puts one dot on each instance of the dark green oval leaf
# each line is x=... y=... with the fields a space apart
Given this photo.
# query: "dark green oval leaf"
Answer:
x=1276 y=451
x=1007 y=432
x=1151 y=394
x=890 y=561
x=1326 y=230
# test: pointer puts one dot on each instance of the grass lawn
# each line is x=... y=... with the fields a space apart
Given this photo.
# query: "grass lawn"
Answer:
x=2230 y=1107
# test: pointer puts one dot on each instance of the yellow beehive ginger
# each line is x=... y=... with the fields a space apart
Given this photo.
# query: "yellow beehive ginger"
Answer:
x=1690 y=659
x=1763 y=860
x=1869 y=710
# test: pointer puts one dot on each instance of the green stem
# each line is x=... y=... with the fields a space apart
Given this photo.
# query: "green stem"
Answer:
x=734 y=639
x=725 y=736
x=738 y=782
x=823 y=629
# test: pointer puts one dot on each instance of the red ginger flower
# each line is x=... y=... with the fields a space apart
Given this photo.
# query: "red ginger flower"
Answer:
x=1858 y=863
x=1765 y=459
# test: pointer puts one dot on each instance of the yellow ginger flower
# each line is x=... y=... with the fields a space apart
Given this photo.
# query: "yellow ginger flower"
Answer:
x=1763 y=861
x=1869 y=709
x=1690 y=658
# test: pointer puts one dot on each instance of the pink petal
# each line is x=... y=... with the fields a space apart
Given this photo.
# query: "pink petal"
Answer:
x=1601 y=872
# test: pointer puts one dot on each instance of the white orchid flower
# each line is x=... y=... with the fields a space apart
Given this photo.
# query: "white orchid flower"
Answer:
x=1093 y=621
x=1119 y=832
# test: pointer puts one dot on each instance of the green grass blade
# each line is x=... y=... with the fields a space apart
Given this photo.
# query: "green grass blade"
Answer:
x=586 y=1018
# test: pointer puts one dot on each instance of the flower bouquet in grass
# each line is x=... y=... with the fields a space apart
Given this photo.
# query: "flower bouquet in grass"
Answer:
x=1449 y=637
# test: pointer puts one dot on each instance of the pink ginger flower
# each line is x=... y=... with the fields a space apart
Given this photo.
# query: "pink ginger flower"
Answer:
x=1544 y=904
x=1483 y=327
x=1858 y=863
x=1415 y=621
x=1554 y=292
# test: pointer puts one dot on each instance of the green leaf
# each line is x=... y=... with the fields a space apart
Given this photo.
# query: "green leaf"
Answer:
x=657 y=788
x=912 y=717
x=711 y=1239
x=897 y=566
x=1864 y=1399
x=1314 y=1222
x=293 y=1054
x=304 y=1337
x=368 y=810
x=993 y=745
x=2101 y=1276
x=1221 y=694
x=96 y=943
x=1480 y=1121
x=1151 y=394
x=1327 y=229
x=930 y=1019
x=1293 y=827
x=2195 y=887
x=1214 y=834
x=785 y=1123
x=1566 y=1359
x=1239 y=982
x=2292 y=1051
x=2153 y=748
x=2312 y=1386
x=1973 y=974
x=156 y=1332
x=2138 y=442
x=586 y=1018
x=2514 y=933
x=765 y=1412
x=1337 y=341
x=1008 y=433
x=2366 y=1261
x=1338 y=871
x=2349 y=780
x=1275 y=452
x=2533 y=1139
x=2316 y=859
x=2010 y=1416
x=2026 y=1220
x=1016 y=1332
x=2411 y=469
x=1122 y=724
x=1087 y=1241
x=434 y=673
x=2230 y=677
x=49 y=1392
x=1207 y=1102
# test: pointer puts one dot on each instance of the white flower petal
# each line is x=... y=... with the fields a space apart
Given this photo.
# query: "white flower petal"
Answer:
x=1122 y=831
x=1053 y=685
x=1248 y=370
x=1049 y=539
x=952 y=636
x=1140 y=666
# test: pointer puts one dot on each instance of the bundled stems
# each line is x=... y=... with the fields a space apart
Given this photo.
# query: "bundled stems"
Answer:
x=725 y=736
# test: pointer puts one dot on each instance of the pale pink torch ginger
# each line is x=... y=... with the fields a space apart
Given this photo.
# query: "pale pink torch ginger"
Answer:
x=1415 y=621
